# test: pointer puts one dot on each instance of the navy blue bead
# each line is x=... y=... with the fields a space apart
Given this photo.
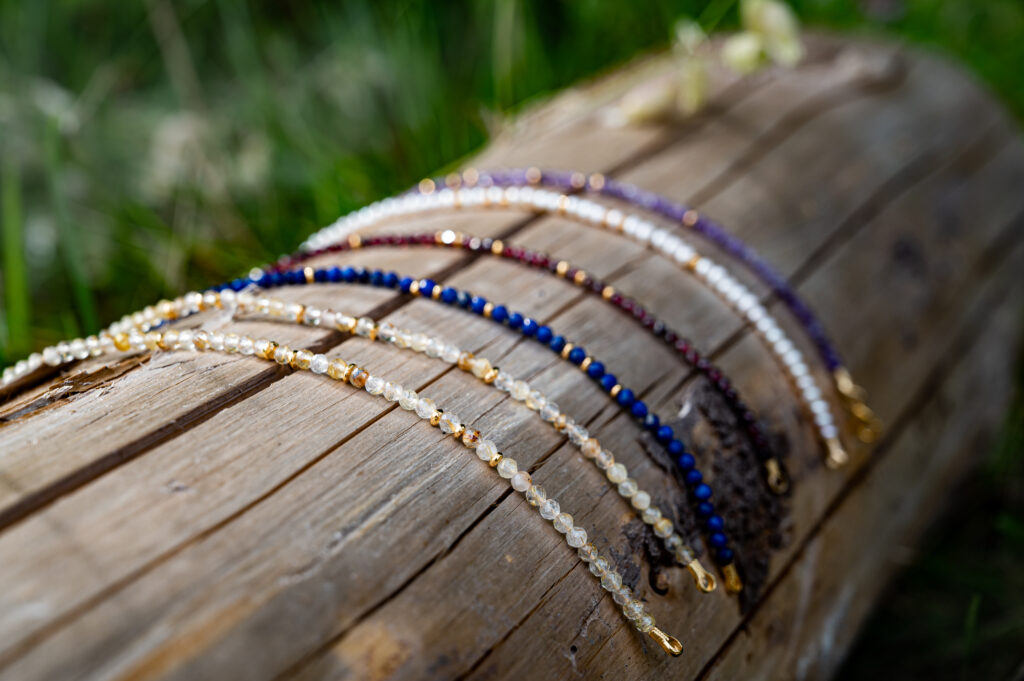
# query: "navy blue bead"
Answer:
x=515 y=321
x=702 y=492
x=715 y=523
x=449 y=295
x=577 y=355
x=639 y=409
x=239 y=284
x=664 y=434
x=530 y=327
x=391 y=280
x=723 y=556
x=427 y=287
x=278 y=279
x=686 y=461
x=608 y=381
x=718 y=540
x=477 y=304
x=694 y=477
x=499 y=314
x=651 y=421
x=595 y=370
x=296 y=277
x=675 y=448
x=362 y=274
x=625 y=397
x=349 y=274
x=320 y=274
x=544 y=334
x=334 y=274
x=557 y=343
x=464 y=299
x=266 y=281
x=377 y=278
x=705 y=508
x=405 y=285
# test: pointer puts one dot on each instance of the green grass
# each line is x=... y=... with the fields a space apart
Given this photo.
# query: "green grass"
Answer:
x=151 y=147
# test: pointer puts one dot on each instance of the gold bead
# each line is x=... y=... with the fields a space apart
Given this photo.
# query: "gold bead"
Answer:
x=471 y=438
x=563 y=203
x=497 y=247
x=355 y=241
x=427 y=186
x=691 y=264
x=566 y=350
x=466 y=361
x=435 y=418
x=414 y=287
x=268 y=353
x=607 y=292
x=496 y=459
x=561 y=268
x=491 y=375
x=122 y=343
x=436 y=293
x=561 y=422
x=488 y=309
x=349 y=371
x=310 y=274
x=616 y=389
x=587 y=361
x=457 y=434
x=579 y=277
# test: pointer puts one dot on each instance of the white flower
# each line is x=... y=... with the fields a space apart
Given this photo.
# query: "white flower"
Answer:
x=689 y=36
x=743 y=52
x=777 y=26
x=693 y=85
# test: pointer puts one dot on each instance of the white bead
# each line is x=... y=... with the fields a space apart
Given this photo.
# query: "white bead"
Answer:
x=318 y=365
x=627 y=488
x=486 y=450
x=549 y=509
x=364 y=325
x=51 y=357
x=617 y=473
x=374 y=385
x=392 y=391
x=521 y=481
x=651 y=515
x=425 y=408
x=408 y=400
x=641 y=500
x=663 y=528
x=507 y=467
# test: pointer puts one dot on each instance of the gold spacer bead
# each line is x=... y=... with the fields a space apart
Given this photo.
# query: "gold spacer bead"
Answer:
x=269 y=352
x=465 y=361
x=457 y=434
x=355 y=241
x=435 y=418
x=566 y=350
x=691 y=264
x=496 y=459
x=414 y=288
x=491 y=375
x=616 y=389
x=349 y=370
x=122 y=343
x=607 y=292
x=437 y=238
x=533 y=175
x=436 y=293
x=301 y=314
x=497 y=247
x=488 y=309
x=560 y=422
x=579 y=277
x=309 y=274
x=733 y=583
x=587 y=361
x=427 y=186
x=690 y=218
x=561 y=268
x=563 y=203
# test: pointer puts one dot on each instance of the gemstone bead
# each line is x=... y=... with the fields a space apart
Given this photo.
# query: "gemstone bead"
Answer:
x=486 y=451
x=587 y=553
x=550 y=411
x=520 y=481
x=471 y=438
x=633 y=610
x=640 y=501
x=450 y=423
x=549 y=509
x=590 y=448
x=628 y=487
x=563 y=522
x=408 y=399
x=645 y=623
x=576 y=537
x=374 y=385
x=622 y=595
x=663 y=528
x=282 y=354
x=336 y=369
x=617 y=473
x=536 y=495
x=519 y=390
x=604 y=459
x=318 y=365
x=358 y=377
x=507 y=467
x=599 y=566
x=425 y=408
x=611 y=581
x=651 y=515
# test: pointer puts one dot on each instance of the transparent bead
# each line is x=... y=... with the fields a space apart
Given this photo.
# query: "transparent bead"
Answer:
x=217 y=342
x=387 y=331
x=434 y=347
x=588 y=553
x=374 y=385
x=521 y=481
x=576 y=537
x=247 y=346
x=358 y=377
x=51 y=357
x=550 y=411
x=590 y=448
x=519 y=391
x=418 y=342
x=78 y=349
x=392 y=391
x=328 y=319
x=401 y=338
x=563 y=522
x=628 y=487
x=651 y=515
x=673 y=542
x=471 y=438
x=486 y=451
x=301 y=359
x=645 y=623
x=507 y=467
x=425 y=408
x=282 y=354
x=536 y=495
x=633 y=610
x=318 y=364
x=450 y=353
x=611 y=581
x=291 y=311
x=536 y=400
x=450 y=423
x=604 y=459
x=599 y=566
x=344 y=322
x=684 y=554
x=313 y=316
x=336 y=369
x=617 y=473
x=641 y=500
x=408 y=399
x=364 y=327
x=480 y=367
x=504 y=381
x=622 y=595
x=550 y=509
x=663 y=528
x=259 y=346
x=577 y=434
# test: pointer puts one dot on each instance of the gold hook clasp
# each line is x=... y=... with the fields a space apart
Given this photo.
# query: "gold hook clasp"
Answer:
x=733 y=583
x=704 y=579
x=776 y=478
x=669 y=644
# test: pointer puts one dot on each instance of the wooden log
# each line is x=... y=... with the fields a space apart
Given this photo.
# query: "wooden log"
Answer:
x=207 y=516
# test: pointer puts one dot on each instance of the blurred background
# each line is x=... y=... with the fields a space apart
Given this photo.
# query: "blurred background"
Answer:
x=147 y=148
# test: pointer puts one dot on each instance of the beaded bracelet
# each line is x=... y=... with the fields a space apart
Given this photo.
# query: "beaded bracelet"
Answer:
x=677 y=250
x=699 y=492
x=774 y=474
x=521 y=481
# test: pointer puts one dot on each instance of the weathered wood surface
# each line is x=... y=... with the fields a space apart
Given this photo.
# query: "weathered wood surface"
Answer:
x=215 y=517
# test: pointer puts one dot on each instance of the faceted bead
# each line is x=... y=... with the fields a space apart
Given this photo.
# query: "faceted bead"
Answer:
x=364 y=326
x=622 y=595
x=259 y=346
x=604 y=459
x=563 y=522
x=673 y=542
x=471 y=438
x=450 y=423
x=587 y=553
x=536 y=495
x=375 y=385
x=246 y=346
x=392 y=391
x=358 y=377
x=481 y=367
x=52 y=358
x=450 y=353
x=617 y=473
x=387 y=331
x=684 y=555
x=486 y=450
x=549 y=412
x=408 y=399
x=599 y=566
x=641 y=500
x=434 y=347
x=301 y=360
x=549 y=509
x=521 y=481
x=651 y=515
x=633 y=610
x=663 y=528
x=519 y=391
x=628 y=487
x=507 y=467
x=590 y=448
x=282 y=354
x=425 y=408
x=576 y=537
x=645 y=623
x=611 y=581
x=419 y=342
x=535 y=400
x=504 y=381
x=577 y=434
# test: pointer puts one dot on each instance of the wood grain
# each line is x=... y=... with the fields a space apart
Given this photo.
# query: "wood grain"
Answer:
x=215 y=517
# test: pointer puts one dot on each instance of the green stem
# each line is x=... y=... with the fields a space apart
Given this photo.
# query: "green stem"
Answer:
x=16 y=294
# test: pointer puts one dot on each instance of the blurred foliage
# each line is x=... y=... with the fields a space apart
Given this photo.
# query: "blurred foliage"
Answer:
x=151 y=147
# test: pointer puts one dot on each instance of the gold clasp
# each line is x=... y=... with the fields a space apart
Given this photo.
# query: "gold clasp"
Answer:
x=733 y=583
x=777 y=480
x=669 y=644
x=869 y=426
x=704 y=579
